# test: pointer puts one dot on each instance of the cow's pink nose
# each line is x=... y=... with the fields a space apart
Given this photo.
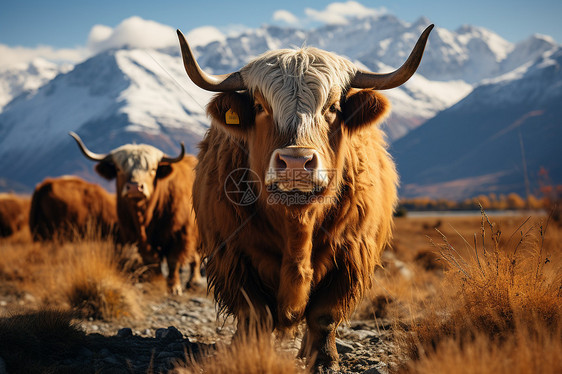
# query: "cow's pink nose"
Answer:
x=296 y=159
x=132 y=187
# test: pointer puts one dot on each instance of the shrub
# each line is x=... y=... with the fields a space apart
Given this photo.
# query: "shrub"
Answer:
x=502 y=297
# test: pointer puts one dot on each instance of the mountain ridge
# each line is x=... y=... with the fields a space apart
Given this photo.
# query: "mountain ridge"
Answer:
x=127 y=94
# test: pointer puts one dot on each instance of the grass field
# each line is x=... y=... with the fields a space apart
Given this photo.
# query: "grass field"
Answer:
x=464 y=294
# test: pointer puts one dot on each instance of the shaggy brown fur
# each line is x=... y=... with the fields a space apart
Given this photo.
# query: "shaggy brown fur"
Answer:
x=71 y=208
x=311 y=261
x=14 y=213
x=163 y=225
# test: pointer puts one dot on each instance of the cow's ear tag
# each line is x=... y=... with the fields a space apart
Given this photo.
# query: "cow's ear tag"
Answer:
x=232 y=118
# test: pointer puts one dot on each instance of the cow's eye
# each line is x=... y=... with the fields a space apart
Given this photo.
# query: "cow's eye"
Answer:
x=258 y=108
x=334 y=108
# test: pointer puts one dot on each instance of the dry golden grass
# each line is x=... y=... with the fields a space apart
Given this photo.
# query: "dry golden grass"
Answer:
x=84 y=276
x=520 y=353
x=254 y=353
x=502 y=296
x=490 y=305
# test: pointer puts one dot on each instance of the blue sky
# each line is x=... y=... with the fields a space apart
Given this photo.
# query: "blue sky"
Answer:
x=67 y=24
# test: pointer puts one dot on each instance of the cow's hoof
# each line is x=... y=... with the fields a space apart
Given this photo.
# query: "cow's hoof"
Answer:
x=176 y=290
x=328 y=368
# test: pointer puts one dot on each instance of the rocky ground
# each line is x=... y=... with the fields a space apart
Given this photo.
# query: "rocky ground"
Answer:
x=174 y=328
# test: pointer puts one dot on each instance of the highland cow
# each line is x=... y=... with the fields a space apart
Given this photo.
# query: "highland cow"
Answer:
x=295 y=190
x=69 y=208
x=14 y=214
x=154 y=205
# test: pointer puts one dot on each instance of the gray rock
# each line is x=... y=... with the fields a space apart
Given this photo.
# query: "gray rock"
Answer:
x=160 y=333
x=371 y=371
x=177 y=347
x=361 y=334
x=199 y=300
x=112 y=360
x=343 y=346
x=85 y=352
x=171 y=333
x=125 y=332
x=165 y=354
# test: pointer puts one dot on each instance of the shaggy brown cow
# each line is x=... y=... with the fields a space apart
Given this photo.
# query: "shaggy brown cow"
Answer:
x=154 y=205
x=295 y=190
x=14 y=213
x=70 y=208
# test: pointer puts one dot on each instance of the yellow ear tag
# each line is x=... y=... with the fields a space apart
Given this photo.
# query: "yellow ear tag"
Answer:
x=232 y=118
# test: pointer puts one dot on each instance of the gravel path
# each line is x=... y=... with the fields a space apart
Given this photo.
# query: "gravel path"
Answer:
x=187 y=324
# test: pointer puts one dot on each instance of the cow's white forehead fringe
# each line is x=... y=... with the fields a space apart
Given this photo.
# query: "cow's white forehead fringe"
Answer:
x=297 y=83
x=136 y=158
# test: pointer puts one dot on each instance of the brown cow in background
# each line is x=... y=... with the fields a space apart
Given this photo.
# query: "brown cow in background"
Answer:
x=295 y=190
x=71 y=208
x=14 y=213
x=154 y=205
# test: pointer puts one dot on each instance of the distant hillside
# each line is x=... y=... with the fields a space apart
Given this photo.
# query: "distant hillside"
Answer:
x=475 y=146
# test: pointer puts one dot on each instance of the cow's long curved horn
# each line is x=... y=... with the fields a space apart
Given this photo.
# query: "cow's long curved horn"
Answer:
x=171 y=160
x=89 y=154
x=365 y=79
x=216 y=83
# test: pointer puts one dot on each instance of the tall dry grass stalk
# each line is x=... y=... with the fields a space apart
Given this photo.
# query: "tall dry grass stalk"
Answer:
x=252 y=353
x=504 y=297
x=85 y=275
x=520 y=353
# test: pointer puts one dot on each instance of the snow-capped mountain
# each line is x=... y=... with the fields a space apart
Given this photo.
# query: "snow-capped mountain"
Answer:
x=143 y=95
x=26 y=78
x=116 y=97
x=469 y=54
x=481 y=144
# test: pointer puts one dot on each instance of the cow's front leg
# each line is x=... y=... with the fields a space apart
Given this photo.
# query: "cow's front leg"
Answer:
x=332 y=300
x=150 y=259
x=319 y=341
x=173 y=280
x=295 y=278
x=195 y=279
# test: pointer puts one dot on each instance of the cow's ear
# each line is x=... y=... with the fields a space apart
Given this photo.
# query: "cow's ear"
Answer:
x=106 y=168
x=233 y=112
x=364 y=107
x=164 y=170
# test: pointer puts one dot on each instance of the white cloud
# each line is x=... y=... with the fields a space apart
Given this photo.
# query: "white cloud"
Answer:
x=133 y=32
x=285 y=16
x=204 y=35
x=339 y=13
x=136 y=32
x=21 y=55
x=99 y=33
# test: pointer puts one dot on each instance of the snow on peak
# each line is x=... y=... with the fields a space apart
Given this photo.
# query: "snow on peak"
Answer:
x=27 y=78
